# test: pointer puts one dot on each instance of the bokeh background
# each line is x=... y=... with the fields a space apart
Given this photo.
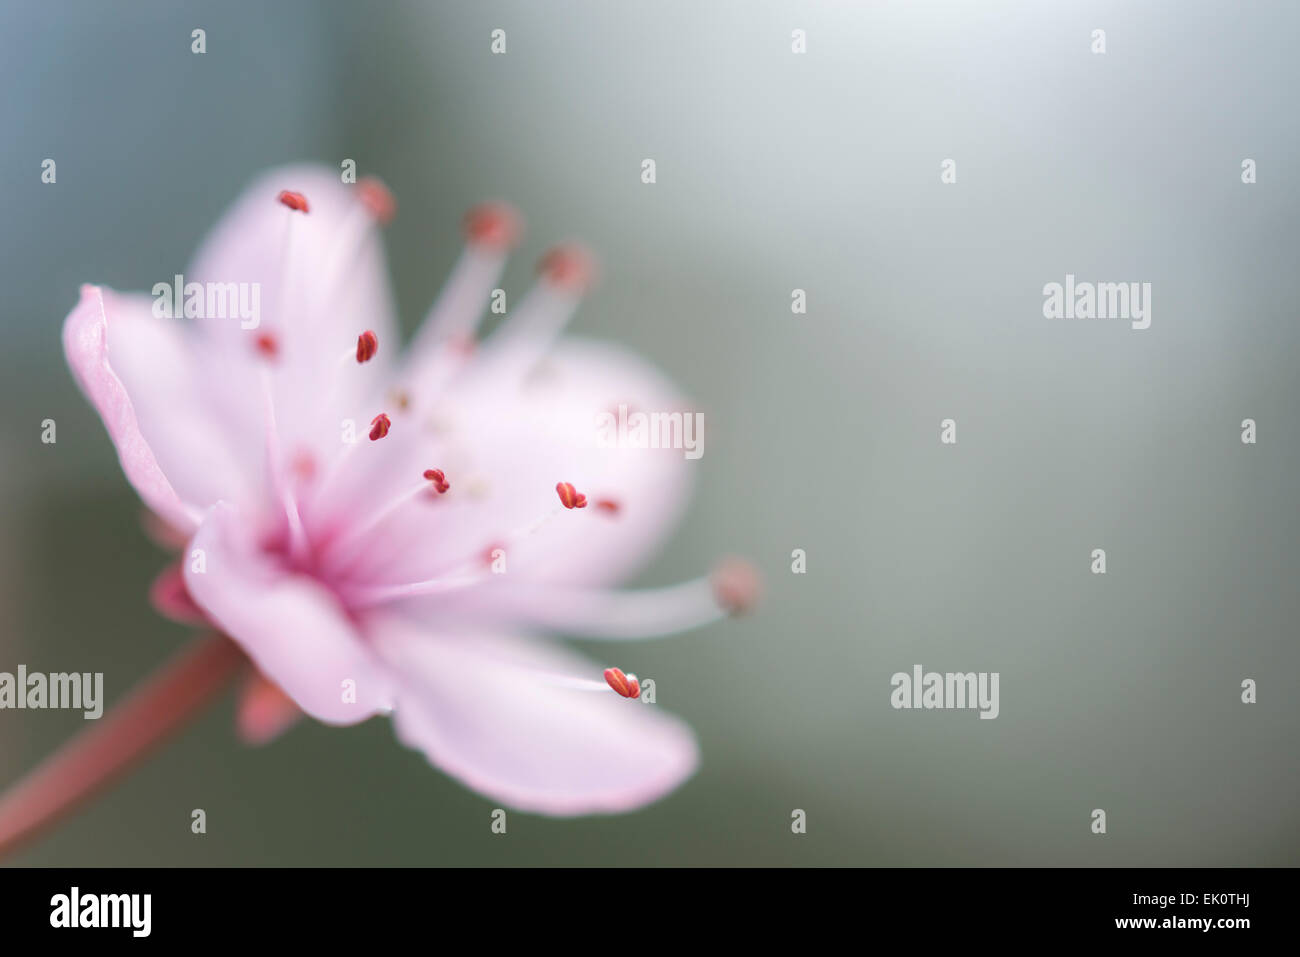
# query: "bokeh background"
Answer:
x=775 y=171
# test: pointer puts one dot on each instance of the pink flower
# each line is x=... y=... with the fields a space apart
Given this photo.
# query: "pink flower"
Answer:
x=391 y=537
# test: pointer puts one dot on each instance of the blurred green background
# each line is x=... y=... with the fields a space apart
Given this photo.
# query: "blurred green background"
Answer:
x=775 y=171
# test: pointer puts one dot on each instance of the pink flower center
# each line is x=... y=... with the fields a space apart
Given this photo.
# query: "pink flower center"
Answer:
x=342 y=546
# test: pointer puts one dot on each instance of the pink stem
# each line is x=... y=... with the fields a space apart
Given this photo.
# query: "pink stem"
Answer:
x=162 y=703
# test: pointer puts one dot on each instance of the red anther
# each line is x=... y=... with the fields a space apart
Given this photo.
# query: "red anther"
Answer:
x=438 y=479
x=267 y=344
x=367 y=346
x=378 y=199
x=494 y=225
x=379 y=427
x=295 y=201
x=570 y=267
x=570 y=497
x=736 y=585
x=608 y=505
x=626 y=685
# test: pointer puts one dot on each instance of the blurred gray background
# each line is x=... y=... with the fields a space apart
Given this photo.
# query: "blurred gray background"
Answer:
x=775 y=171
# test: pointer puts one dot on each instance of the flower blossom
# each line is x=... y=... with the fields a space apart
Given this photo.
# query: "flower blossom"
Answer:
x=399 y=537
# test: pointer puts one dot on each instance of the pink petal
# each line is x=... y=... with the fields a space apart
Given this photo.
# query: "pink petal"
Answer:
x=485 y=709
x=165 y=536
x=294 y=629
x=147 y=380
x=330 y=289
x=171 y=599
x=85 y=342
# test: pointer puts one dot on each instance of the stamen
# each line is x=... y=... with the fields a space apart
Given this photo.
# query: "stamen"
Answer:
x=268 y=345
x=348 y=244
x=295 y=201
x=367 y=346
x=569 y=267
x=630 y=615
x=608 y=506
x=298 y=543
x=438 y=479
x=518 y=345
x=378 y=199
x=736 y=585
x=493 y=225
x=598 y=685
x=469 y=570
x=362 y=596
x=323 y=492
x=626 y=685
x=333 y=550
x=570 y=497
x=290 y=269
x=346 y=247
x=490 y=231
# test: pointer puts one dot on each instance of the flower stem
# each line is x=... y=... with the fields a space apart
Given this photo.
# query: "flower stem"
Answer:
x=159 y=705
